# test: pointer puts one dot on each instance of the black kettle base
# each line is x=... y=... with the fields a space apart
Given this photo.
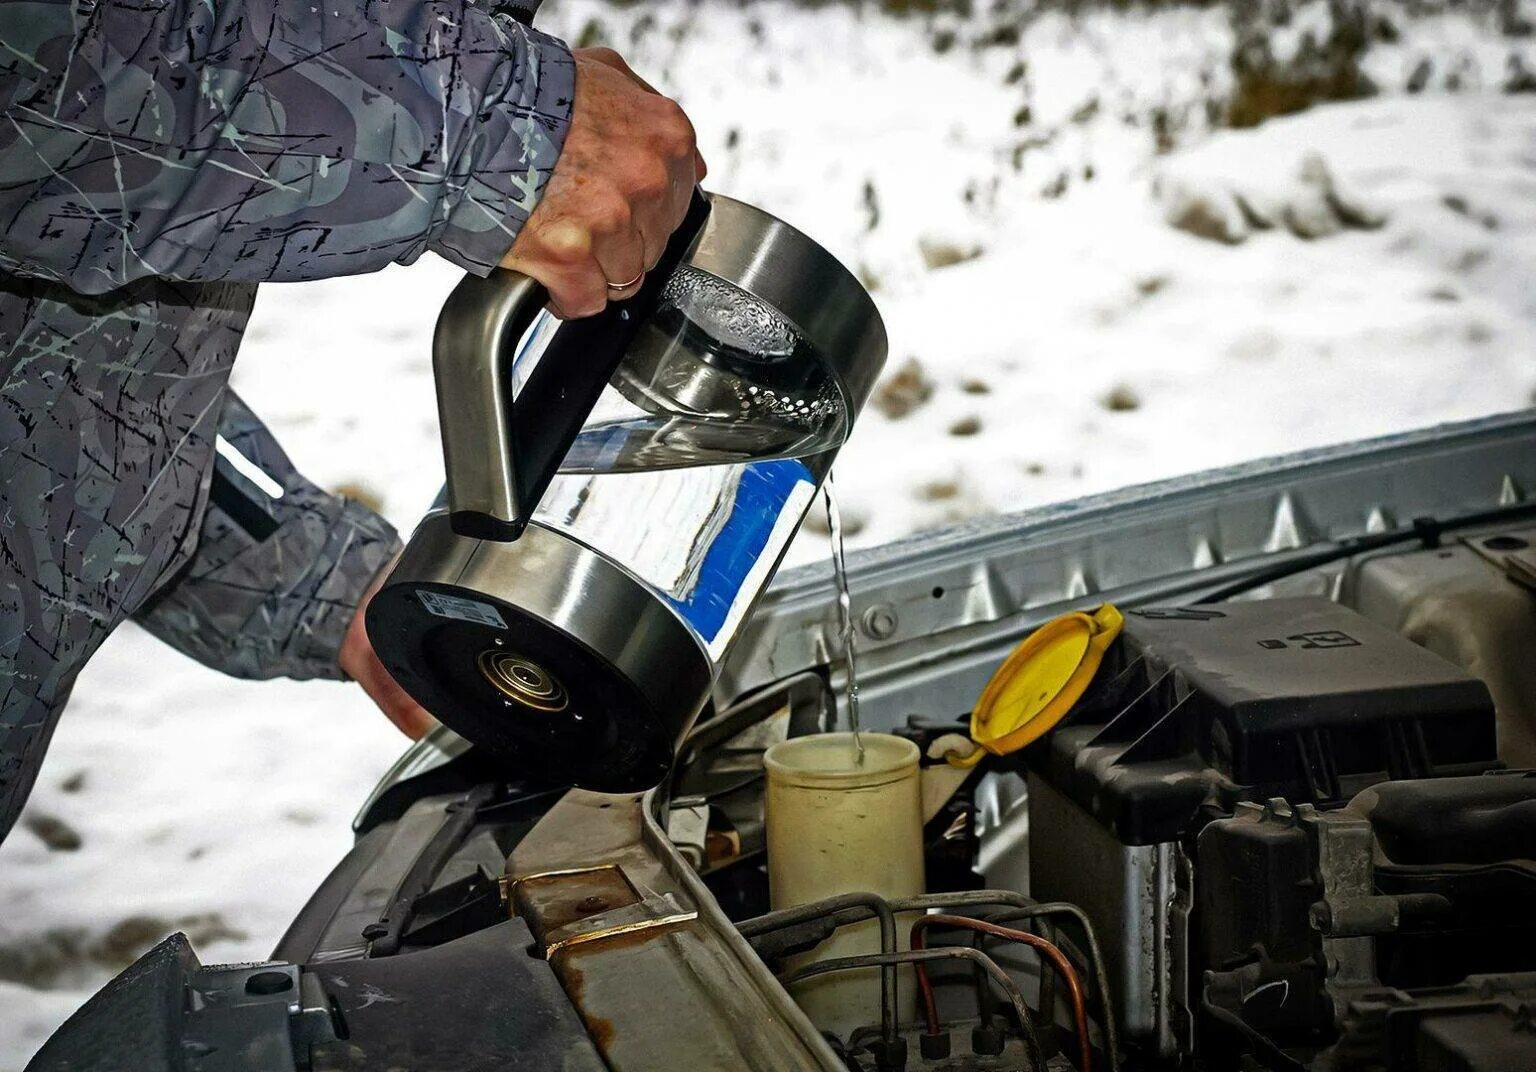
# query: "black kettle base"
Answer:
x=523 y=692
x=542 y=653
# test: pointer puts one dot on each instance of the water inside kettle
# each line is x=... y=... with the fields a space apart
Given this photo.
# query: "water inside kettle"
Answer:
x=729 y=314
x=715 y=376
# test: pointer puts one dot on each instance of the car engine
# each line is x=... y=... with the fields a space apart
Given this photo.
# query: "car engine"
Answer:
x=1293 y=830
x=1296 y=838
x=1290 y=824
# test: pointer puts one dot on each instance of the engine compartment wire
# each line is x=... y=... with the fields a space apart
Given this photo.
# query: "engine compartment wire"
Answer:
x=868 y=902
x=979 y=984
x=1020 y=907
x=1047 y=950
x=921 y=956
x=1272 y=1055
x=1426 y=530
x=1017 y=906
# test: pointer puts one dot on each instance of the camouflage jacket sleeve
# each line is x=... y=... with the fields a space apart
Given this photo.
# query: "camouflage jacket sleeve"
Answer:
x=269 y=139
x=279 y=564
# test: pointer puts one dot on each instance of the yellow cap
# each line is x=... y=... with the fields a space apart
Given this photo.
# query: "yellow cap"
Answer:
x=1039 y=682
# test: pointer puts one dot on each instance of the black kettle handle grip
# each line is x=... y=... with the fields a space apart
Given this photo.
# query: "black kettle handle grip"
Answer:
x=498 y=463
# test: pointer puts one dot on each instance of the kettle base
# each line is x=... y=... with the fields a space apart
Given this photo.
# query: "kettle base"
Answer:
x=522 y=680
x=542 y=653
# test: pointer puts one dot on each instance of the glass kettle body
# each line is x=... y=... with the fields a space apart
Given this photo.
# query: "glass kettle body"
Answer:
x=620 y=491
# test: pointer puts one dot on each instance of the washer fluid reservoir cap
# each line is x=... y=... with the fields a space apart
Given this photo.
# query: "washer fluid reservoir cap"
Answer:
x=1039 y=682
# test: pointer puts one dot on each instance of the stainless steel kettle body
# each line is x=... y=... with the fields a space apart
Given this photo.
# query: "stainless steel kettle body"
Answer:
x=581 y=635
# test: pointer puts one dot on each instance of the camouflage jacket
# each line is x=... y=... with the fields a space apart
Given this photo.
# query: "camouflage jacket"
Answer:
x=158 y=159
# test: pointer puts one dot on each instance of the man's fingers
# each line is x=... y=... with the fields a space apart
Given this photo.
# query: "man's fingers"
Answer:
x=577 y=298
x=608 y=57
x=621 y=293
x=570 y=298
x=361 y=663
x=621 y=187
x=642 y=83
x=619 y=249
x=583 y=295
x=568 y=270
x=409 y=717
x=572 y=294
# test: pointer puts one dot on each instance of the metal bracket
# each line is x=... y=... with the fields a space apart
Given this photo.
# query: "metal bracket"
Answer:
x=619 y=930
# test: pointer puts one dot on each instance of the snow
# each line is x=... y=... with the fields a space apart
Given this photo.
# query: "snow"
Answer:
x=1074 y=341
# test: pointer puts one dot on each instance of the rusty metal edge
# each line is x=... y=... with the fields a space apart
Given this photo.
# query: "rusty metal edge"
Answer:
x=618 y=930
x=713 y=916
x=643 y=855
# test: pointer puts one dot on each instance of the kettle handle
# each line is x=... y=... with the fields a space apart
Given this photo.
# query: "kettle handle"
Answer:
x=498 y=464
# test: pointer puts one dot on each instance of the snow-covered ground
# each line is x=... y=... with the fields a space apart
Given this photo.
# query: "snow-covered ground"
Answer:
x=1054 y=334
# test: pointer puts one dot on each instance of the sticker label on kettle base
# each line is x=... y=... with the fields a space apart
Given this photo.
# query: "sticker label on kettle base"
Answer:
x=465 y=610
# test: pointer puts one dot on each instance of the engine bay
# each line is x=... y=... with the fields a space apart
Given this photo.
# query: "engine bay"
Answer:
x=1289 y=824
x=1274 y=831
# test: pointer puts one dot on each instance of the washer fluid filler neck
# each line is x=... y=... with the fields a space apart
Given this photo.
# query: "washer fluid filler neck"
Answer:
x=620 y=490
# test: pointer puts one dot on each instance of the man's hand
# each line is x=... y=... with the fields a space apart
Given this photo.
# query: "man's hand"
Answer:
x=361 y=664
x=619 y=190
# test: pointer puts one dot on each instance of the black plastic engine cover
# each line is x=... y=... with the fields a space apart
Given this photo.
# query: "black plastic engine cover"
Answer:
x=479 y=1004
x=1429 y=915
x=1201 y=707
x=1467 y=821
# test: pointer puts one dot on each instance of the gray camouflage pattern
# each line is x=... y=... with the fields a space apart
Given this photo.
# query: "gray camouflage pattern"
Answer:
x=274 y=581
x=158 y=159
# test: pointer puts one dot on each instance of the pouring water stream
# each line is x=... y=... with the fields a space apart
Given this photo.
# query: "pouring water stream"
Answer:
x=845 y=614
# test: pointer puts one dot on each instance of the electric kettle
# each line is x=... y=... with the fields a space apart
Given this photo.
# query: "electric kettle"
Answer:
x=620 y=490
